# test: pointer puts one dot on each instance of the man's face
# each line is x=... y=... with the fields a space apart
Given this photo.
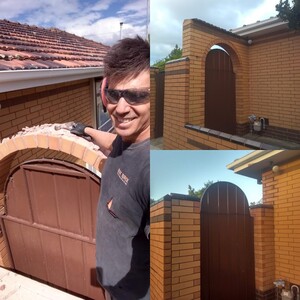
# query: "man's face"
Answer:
x=131 y=121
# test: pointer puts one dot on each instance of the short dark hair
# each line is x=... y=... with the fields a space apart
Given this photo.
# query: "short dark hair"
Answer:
x=127 y=59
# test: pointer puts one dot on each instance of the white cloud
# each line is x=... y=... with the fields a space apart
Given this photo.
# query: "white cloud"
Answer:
x=90 y=19
x=167 y=18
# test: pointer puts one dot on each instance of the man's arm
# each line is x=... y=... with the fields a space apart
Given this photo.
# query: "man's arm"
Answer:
x=101 y=138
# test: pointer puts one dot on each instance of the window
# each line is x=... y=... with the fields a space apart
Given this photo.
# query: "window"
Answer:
x=103 y=121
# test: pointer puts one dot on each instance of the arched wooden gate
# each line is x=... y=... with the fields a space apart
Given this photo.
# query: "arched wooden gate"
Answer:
x=220 y=111
x=227 y=244
x=49 y=224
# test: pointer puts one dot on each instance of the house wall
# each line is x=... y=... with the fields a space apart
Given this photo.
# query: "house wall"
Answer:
x=58 y=103
x=282 y=190
x=267 y=85
x=274 y=80
x=175 y=249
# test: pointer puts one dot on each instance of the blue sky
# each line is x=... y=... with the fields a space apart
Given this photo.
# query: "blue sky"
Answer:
x=173 y=171
x=96 y=20
x=167 y=18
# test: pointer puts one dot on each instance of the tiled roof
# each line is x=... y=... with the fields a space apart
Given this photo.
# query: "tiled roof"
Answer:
x=24 y=47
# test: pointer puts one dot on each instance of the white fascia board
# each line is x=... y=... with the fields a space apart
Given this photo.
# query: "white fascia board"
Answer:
x=260 y=26
x=254 y=164
x=13 y=80
x=251 y=159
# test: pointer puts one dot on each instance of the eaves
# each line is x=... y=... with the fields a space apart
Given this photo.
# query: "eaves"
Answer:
x=13 y=80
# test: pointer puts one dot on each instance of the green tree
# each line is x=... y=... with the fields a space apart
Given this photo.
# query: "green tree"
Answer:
x=199 y=193
x=174 y=54
x=288 y=13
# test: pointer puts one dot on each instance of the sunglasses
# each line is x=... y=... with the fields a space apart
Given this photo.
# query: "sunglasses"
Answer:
x=132 y=96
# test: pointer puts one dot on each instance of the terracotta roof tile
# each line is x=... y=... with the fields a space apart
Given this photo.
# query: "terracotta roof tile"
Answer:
x=24 y=47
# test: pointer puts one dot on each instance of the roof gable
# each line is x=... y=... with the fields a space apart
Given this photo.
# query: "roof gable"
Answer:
x=24 y=47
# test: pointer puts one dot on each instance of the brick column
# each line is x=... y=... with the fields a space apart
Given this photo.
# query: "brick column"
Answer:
x=175 y=248
x=153 y=72
x=176 y=104
x=160 y=249
x=185 y=249
x=264 y=251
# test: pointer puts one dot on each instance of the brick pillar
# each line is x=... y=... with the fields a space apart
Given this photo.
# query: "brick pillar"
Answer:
x=185 y=249
x=153 y=72
x=176 y=103
x=160 y=249
x=264 y=251
x=175 y=248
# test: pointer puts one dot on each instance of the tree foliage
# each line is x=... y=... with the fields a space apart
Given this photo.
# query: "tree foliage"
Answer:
x=174 y=54
x=288 y=13
x=199 y=193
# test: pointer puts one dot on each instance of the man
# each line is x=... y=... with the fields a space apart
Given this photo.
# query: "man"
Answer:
x=122 y=237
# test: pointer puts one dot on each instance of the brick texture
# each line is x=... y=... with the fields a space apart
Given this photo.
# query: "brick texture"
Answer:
x=30 y=107
x=58 y=103
x=267 y=84
x=283 y=192
x=153 y=72
x=264 y=248
x=175 y=249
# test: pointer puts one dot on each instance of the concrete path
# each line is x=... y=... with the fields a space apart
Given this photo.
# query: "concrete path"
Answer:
x=17 y=287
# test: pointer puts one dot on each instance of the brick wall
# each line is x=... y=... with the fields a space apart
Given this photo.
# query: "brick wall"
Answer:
x=153 y=71
x=58 y=103
x=267 y=85
x=282 y=190
x=264 y=250
x=274 y=69
x=176 y=109
x=175 y=248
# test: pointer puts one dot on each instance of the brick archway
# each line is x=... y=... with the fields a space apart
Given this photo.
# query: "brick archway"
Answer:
x=49 y=138
x=44 y=142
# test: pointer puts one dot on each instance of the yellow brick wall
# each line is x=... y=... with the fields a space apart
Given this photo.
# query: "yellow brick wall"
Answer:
x=36 y=106
x=196 y=45
x=283 y=192
x=185 y=249
x=175 y=249
x=264 y=248
x=274 y=69
x=153 y=71
x=161 y=251
x=71 y=102
x=267 y=83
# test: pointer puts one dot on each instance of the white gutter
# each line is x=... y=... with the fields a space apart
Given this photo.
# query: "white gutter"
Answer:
x=250 y=159
x=268 y=25
x=13 y=80
x=257 y=162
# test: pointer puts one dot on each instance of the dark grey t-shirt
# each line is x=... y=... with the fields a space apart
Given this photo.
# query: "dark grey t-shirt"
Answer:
x=122 y=238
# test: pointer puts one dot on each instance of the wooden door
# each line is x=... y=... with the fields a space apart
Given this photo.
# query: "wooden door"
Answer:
x=49 y=224
x=227 y=244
